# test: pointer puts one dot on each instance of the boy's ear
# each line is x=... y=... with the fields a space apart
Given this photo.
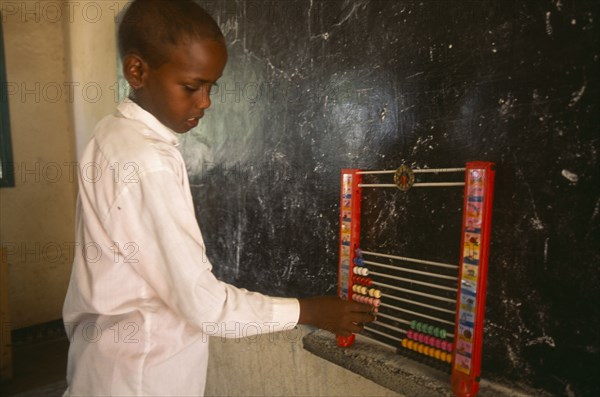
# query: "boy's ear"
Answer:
x=134 y=69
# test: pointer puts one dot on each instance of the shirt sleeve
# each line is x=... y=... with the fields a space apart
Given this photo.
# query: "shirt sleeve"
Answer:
x=156 y=214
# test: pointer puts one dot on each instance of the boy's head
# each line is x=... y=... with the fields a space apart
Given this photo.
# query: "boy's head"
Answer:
x=173 y=52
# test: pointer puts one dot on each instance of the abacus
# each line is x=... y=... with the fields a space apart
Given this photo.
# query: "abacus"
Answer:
x=428 y=310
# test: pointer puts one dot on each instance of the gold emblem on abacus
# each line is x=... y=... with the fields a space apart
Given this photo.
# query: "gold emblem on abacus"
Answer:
x=404 y=178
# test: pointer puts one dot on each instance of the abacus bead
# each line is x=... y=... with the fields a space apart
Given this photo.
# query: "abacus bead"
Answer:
x=358 y=252
x=426 y=350
x=438 y=343
x=421 y=347
x=450 y=347
x=377 y=293
x=444 y=345
x=358 y=261
x=443 y=356
x=409 y=334
x=371 y=291
x=438 y=353
x=449 y=358
x=419 y=326
x=365 y=271
x=413 y=324
x=363 y=290
x=377 y=302
x=421 y=338
x=430 y=329
x=409 y=344
x=436 y=332
x=443 y=333
x=404 y=342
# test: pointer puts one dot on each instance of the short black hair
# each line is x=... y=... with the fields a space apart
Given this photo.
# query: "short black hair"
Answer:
x=151 y=28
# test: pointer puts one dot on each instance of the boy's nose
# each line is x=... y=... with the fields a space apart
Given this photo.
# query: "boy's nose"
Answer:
x=203 y=101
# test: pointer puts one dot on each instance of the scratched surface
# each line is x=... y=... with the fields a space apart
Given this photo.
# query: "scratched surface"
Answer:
x=315 y=86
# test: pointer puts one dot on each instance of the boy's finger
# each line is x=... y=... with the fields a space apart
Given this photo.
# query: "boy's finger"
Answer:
x=363 y=317
x=360 y=307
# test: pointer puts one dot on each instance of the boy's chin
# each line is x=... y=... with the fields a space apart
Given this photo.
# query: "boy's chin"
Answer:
x=182 y=129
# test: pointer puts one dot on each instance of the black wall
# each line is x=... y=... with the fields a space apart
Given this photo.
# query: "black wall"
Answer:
x=315 y=86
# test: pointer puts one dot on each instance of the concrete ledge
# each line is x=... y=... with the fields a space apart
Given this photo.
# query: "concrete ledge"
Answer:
x=382 y=365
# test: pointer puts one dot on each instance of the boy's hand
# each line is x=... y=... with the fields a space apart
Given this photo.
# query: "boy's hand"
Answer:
x=335 y=315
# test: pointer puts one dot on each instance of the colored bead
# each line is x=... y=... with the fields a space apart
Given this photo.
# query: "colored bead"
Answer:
x=430 y=329
x=419 y=326
x=436 y=332
x=449 y=347
x=358 y=252
x=438 y=343
x=443 y=333
x=404 y=342
x=377 y=293
x=409 y=334
x=377 y=302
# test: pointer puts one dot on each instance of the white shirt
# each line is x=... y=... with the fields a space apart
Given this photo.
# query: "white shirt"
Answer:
x=142 y=300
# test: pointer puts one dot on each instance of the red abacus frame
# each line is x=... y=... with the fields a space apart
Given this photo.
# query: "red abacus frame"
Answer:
x=473 y=261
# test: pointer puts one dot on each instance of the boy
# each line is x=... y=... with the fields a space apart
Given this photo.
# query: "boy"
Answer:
x=142 y=298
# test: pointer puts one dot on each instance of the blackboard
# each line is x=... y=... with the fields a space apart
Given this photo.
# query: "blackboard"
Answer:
x=314 y=86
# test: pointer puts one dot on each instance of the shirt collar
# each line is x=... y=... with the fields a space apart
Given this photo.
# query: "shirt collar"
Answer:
x=133 y=111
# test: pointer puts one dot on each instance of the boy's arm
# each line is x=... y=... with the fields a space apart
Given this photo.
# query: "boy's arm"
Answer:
x=335 y=315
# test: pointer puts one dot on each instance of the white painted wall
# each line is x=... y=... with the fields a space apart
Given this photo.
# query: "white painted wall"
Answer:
x=277 y=365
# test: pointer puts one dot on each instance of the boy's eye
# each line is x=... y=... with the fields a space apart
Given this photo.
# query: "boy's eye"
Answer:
x=191 y=88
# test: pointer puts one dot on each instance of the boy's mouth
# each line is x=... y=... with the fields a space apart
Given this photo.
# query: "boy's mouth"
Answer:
x=192 y=122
